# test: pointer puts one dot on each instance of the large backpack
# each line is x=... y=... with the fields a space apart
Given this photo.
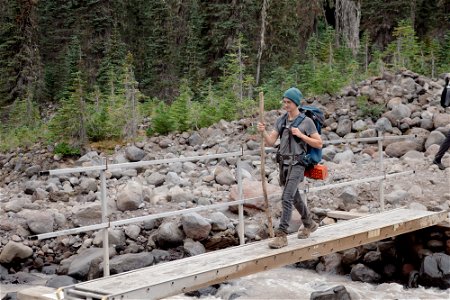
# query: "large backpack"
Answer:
x=313 y=155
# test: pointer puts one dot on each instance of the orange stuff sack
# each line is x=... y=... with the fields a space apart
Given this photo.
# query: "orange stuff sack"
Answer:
x=317 y=172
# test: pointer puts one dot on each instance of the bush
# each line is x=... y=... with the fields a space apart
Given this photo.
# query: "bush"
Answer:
x=66 y=150
x=372 y=111
x=22 y=136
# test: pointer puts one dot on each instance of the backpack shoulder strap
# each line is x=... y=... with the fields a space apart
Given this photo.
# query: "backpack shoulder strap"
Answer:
x=298 y=120
x=281 y=123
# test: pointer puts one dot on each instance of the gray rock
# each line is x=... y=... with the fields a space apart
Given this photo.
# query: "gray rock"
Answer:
x=156 y=179
x=81 y=263
x=398 y=149
x=195 y=226
x=60 y=281
x=91 y=158
x=13 y=250
x=330 y=264
x=131 y=261
x=349 y=199
x=87 y=214
x=435 y=270
x=396 y=197
x=132 y=231
x=88 y=184
x=40 y=222
x=33 y=170
x=193 y=248
x=169 y=235
x=172 y=178
x=344 y=127
x=195 y=139
x=336 y=293
x=134 y=153
x=435 y=137
x=223 y=176
x=344 y=157
x=179 y=195
x=131 y=197
x=31 y=186
x=363 y=273
x=219 y=221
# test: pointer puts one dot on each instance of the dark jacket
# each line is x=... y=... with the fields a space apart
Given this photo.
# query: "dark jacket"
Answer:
x=444 y=93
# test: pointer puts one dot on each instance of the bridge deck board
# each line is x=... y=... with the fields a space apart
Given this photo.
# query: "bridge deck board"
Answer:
x=186 y=274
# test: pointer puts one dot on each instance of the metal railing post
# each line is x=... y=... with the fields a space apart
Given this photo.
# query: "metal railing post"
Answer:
x=241 y=205
x=380 y=153
x=104 y=220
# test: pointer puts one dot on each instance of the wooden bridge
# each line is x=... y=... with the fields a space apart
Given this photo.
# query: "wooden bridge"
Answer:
x=188 y=274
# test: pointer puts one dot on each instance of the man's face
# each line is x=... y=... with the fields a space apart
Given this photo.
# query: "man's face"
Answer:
x=288 y=105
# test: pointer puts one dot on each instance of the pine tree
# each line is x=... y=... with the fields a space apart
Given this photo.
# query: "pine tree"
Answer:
x=162 y=121
x=69 y=123
x=180 y=110
x=112 y=63
x=404 y=51
x=20 y=62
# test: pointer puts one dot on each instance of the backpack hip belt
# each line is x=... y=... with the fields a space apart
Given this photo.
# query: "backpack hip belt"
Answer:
x=298 y=157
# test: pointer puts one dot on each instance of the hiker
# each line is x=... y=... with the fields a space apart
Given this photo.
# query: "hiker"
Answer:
x=293 y=167
x=445 y=102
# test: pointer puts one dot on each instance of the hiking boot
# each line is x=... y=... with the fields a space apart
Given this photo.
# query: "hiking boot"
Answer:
x=439 y=164
x=279 y=241
x=305 y=232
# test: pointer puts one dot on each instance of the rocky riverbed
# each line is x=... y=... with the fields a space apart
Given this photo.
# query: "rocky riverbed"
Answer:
x=32 y=204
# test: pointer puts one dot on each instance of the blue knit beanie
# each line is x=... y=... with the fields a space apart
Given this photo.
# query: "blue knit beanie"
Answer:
x=294 y=95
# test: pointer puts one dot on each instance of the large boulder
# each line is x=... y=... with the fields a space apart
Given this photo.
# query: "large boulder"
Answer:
x=252 y=190
x=13 y=250
x=435 y=271
x=131 y=197
x=336 y=293
x=130 y=261
x=195 y=226
x=363 y=273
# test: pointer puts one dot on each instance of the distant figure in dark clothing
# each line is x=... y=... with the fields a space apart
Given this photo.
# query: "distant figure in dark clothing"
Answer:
x=445 y=102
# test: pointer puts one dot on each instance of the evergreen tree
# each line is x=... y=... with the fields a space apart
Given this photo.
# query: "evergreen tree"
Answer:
x=404 y=51
x=112 y=63
x=162 y=121
x=180 y=110
x=71 y=69
x=69 y=123
x=443 y=54
x=20 y=62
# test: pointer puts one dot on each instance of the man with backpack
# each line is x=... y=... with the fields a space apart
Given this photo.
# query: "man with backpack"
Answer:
x=292 y=157
x=445 y=102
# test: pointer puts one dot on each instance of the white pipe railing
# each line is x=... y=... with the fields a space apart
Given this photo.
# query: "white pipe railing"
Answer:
x=106 y=223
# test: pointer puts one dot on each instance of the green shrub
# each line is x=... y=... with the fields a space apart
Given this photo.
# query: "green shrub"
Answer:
x=66 y=150
x=372 y=111
x=23 y=136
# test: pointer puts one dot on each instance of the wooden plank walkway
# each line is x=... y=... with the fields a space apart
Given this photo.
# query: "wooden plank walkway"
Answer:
x=172 y=278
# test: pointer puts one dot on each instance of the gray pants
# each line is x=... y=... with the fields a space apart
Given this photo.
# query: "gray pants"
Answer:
x=443 y=148
x=291 y=195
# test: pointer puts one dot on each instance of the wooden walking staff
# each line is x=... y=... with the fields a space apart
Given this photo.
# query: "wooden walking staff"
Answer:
x=263 y=169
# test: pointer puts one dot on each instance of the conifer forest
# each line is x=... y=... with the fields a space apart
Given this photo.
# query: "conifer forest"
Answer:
x=74 y=72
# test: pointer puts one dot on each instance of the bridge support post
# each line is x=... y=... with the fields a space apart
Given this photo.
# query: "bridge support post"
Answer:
x=104 y=220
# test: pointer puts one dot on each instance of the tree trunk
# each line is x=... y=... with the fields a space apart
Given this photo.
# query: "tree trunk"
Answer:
x=348 y=17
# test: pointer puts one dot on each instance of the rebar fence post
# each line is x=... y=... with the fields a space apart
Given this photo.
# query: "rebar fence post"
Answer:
x=241 y=205
x=104 y=220
x=380 y=153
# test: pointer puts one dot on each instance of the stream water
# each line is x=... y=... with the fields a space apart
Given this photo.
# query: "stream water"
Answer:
x=294 y=283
